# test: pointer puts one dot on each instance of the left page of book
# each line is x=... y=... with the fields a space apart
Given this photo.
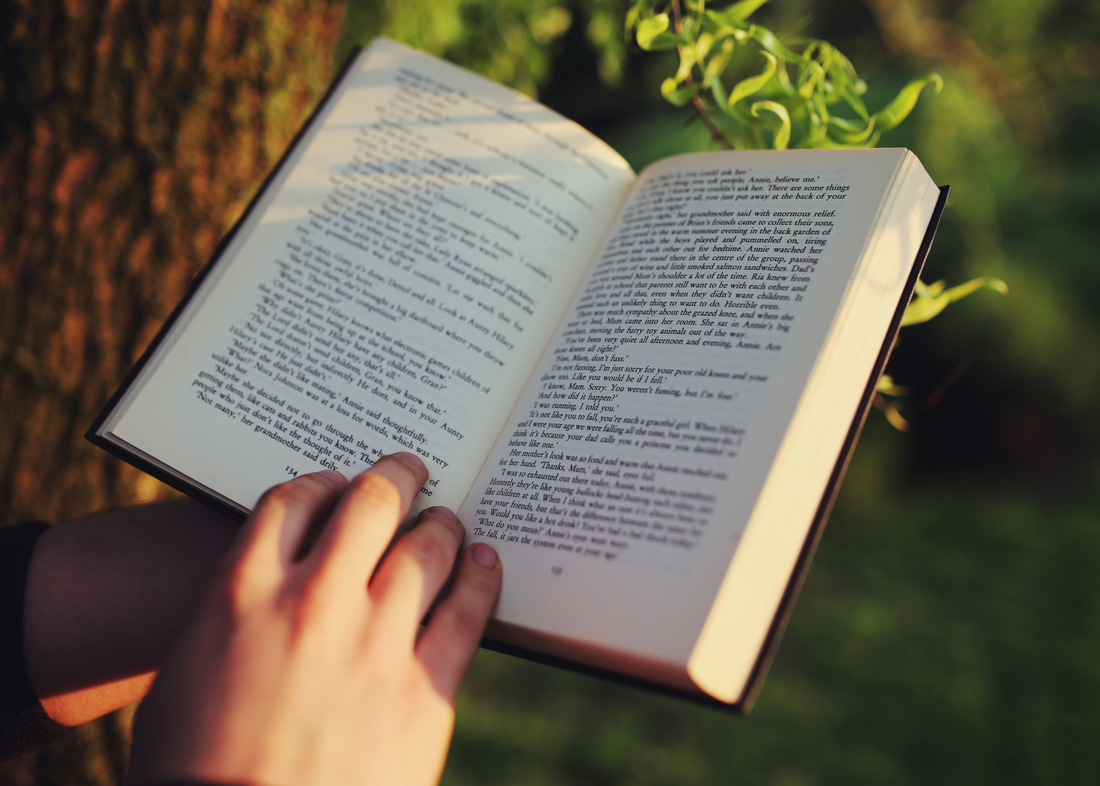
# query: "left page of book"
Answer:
x=390 y=289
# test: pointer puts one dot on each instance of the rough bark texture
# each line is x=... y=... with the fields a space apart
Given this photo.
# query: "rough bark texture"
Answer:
x=132 y=134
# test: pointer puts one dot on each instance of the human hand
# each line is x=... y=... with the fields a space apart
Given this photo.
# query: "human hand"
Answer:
x=313 y=669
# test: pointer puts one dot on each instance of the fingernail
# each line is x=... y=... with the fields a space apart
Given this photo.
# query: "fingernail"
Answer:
x=412 y=460
x=483 y=555
x=333 y=475
x=440 y=510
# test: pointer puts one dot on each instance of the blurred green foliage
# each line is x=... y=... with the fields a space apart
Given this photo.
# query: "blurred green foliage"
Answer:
x=762 y=110
x=949 y=630
x=508 y=41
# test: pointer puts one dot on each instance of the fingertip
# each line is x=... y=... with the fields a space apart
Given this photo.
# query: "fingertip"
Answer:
x=412 y=461
x=333 y=475
x=402 y=468
x=458 y=531
x=484 y=555
x=406 y=475
x=441 y=510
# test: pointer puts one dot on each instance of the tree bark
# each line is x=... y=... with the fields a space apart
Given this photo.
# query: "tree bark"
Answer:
x=132 y=135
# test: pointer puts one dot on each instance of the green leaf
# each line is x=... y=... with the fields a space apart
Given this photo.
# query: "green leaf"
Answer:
x=717 y=64
x=783 y=133
x=687 y=29
x=679 y=96
x=887 y=387
x=783 y=79
x=931 y=299
x=746 y=87
x=898 y=109
x=703 y=45
x=649 y=30
x=632 y=16
x=923 y=309
x=816 y=126
x=821 y=109
x=687 y=60
x=845 y=84
x=848 y=132
x=739 y=12
x=767 y=39
x=929 y=290
x=745 y=35
x=810 y=75
x=718 y=94
x=985 y=282
x=722 y=26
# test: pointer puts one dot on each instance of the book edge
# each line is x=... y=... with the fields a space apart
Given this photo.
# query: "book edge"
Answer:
x=617 y=677
x=790 y=595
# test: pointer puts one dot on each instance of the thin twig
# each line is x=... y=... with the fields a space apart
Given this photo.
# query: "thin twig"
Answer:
x=892 y=409
x=934 y=398
x=696 y=101
x=717 y=133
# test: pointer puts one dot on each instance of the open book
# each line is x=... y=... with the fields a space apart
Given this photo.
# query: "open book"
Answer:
x=641 y=390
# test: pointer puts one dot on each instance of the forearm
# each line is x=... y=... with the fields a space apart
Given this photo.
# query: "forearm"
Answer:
x=106 y=598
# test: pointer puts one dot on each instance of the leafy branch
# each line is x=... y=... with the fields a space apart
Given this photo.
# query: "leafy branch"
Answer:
x=806 y=95
x=791 y=102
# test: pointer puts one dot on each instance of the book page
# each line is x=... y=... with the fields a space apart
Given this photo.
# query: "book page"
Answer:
x=635 y=457
x=390 y=291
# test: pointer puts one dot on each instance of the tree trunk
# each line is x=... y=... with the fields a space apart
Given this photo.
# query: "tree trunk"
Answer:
x=132 y=135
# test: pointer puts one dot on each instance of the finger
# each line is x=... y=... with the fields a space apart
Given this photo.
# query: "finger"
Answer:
x=365 y=519
x=450 y=639
x=274 y=533
x=413 y=572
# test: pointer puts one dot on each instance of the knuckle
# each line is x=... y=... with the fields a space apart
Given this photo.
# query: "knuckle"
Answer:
x=268 y=498
x=467 y=621
x=289 y=495
x=315 y=598
x=429 y=548
x=243 y=582
x=471 y=602
x=452 y=525
x=484 y=583
x=378 y=487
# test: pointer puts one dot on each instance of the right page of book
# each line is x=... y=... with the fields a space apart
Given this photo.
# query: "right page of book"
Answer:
x=631 y=465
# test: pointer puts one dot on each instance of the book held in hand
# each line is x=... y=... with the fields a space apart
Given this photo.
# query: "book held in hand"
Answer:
x=640 y=389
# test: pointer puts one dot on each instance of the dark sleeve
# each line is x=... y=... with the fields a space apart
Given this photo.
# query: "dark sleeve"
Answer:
x=24 y=725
